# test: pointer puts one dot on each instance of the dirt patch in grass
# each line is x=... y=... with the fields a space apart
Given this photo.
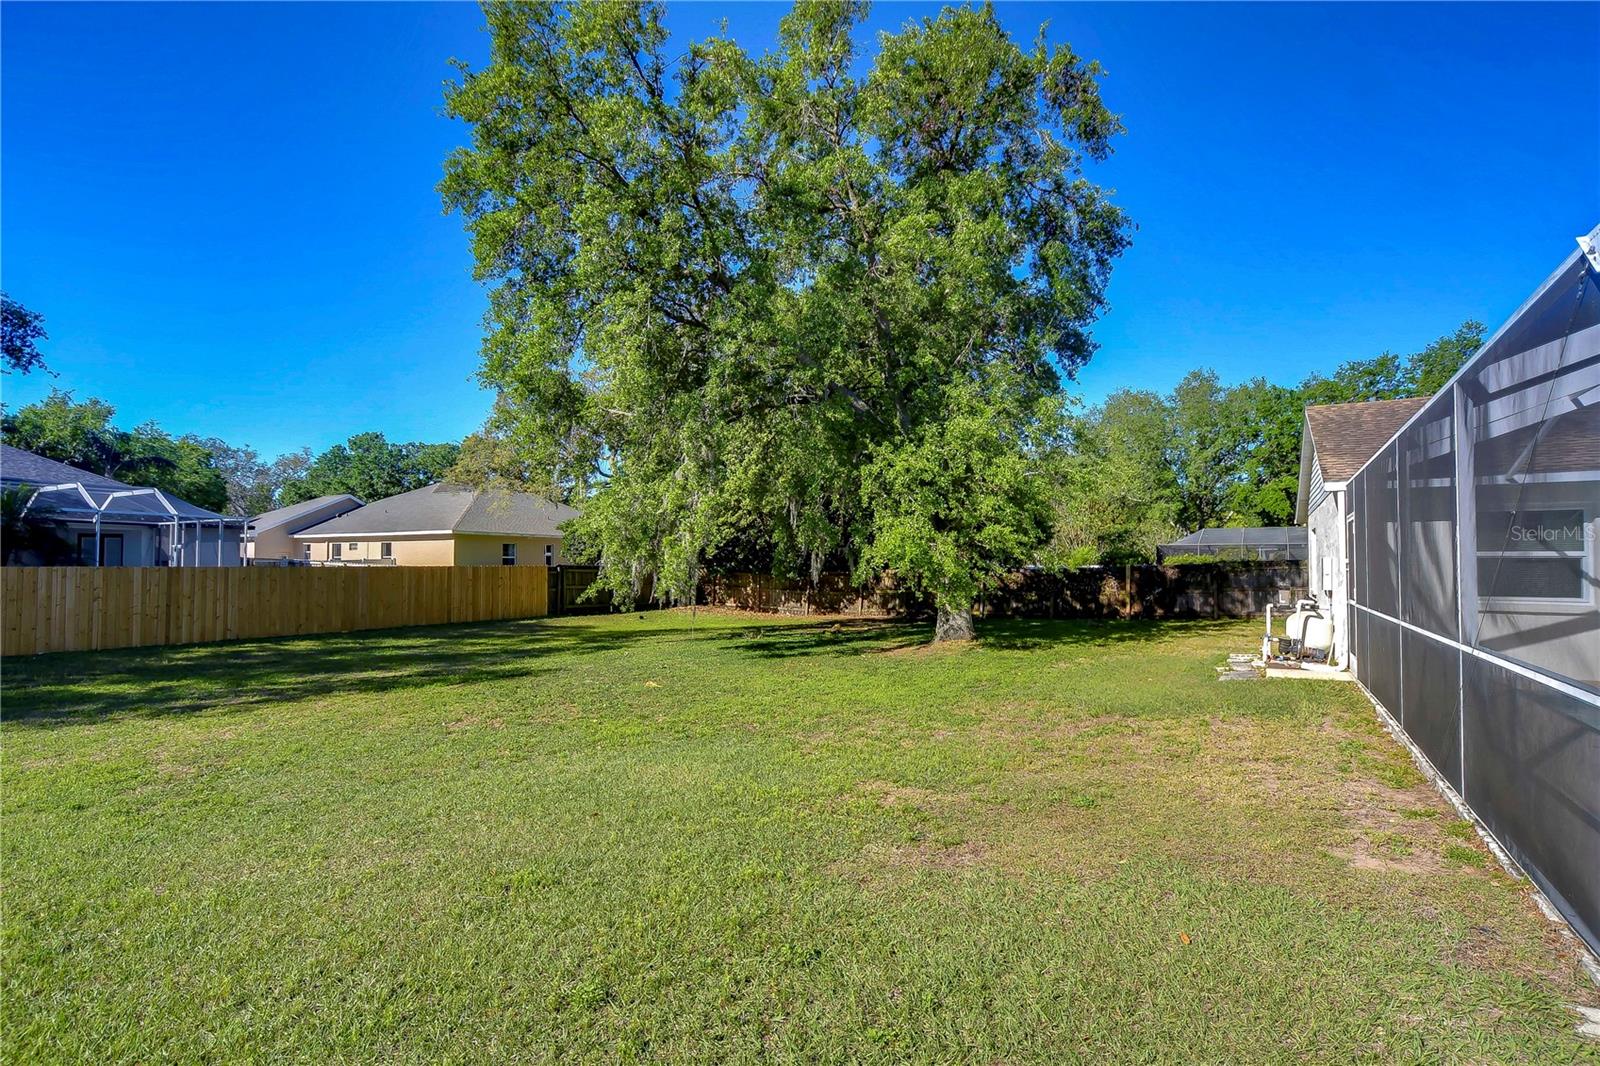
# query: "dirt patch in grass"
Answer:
x=473 y=722
x=938 y=856
x=890 y=794
x=881 y=863
x=1385 y=833
x=1238 y=793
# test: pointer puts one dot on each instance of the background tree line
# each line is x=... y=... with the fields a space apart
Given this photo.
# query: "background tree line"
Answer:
x=212 y=473
x=1143 y=468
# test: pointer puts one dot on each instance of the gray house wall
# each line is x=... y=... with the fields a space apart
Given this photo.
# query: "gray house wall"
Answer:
x=1326 y=561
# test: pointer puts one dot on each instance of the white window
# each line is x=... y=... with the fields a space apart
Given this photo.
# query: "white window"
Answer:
x=1539 y=555
x=508 y=555
x=305 y=552
x=354 y=546
x=386 y=550
x=337 y=551
x=549 y=555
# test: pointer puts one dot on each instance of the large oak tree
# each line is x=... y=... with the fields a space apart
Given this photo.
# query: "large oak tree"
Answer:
x=831 y=299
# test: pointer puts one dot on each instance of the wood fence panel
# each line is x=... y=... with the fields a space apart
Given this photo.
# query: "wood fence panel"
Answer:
x=74 y=608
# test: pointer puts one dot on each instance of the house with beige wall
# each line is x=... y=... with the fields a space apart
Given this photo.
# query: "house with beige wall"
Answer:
x=270 y=536
x=442 y=525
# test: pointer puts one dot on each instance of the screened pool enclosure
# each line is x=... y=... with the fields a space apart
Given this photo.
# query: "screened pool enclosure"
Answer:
x=1247 y=544
x=1473 y=586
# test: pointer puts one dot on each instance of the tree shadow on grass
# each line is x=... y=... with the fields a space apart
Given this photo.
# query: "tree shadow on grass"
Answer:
x=1028 y=634
x=784 y=638
x=85 y=688
x=81 y=689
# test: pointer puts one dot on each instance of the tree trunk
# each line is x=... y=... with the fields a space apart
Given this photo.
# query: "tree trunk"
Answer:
x=953 y=623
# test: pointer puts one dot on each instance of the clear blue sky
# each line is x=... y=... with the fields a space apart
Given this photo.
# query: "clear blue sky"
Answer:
x=227 y=212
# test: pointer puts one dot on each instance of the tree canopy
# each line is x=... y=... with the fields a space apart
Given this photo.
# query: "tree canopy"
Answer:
x=827 y=300
x=81 y=434
x=21 y=330
x=1143 y=468
x=367 y=466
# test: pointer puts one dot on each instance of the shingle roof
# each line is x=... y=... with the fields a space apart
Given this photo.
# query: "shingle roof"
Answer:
x=1346 y=435
x=455 y=509
x=18 y=467
x=287 y=515
x=26 y=468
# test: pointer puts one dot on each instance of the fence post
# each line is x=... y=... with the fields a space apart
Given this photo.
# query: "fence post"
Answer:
x=1127 y=590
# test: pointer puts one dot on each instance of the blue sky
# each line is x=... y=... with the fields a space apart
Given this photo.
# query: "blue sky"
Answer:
x=227 y=213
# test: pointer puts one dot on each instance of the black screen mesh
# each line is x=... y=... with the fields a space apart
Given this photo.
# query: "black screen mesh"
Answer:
x=1359 y=585
x=1431 y=683
x=1383 y=655
x=1502 y=562
x=1533 y=776
x=1383 y=533
x=1428 y=520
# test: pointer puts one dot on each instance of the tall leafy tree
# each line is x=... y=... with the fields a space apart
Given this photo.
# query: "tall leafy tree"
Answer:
x=1208 y=442
x=370 y=467
x=60 y=428
x=252 y=483
x=21 y=330
x=829 y=299
x=1427 y=371
x=1263 y=489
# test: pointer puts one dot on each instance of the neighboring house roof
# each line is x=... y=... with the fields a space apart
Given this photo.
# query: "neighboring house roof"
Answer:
x=1234 y=536
x=26 y=468
x=18 y=467
x=1338 y=438
x=446 y=508
x=1346 y=435
x=304 y=512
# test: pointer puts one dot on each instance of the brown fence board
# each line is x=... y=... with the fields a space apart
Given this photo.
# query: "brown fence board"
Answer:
x=74 y=608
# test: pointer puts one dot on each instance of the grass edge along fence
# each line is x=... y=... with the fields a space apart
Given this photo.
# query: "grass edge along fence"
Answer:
x=76 y=608
x=1143 y=590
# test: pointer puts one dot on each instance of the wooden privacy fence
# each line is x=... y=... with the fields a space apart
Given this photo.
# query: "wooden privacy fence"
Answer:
x=1147 y=590
x=1200 y=590
x=77 y=608
x=568 y=583
x=832 y=594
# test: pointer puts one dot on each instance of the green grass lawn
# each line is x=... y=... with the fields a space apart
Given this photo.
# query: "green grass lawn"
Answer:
x=629 y=838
